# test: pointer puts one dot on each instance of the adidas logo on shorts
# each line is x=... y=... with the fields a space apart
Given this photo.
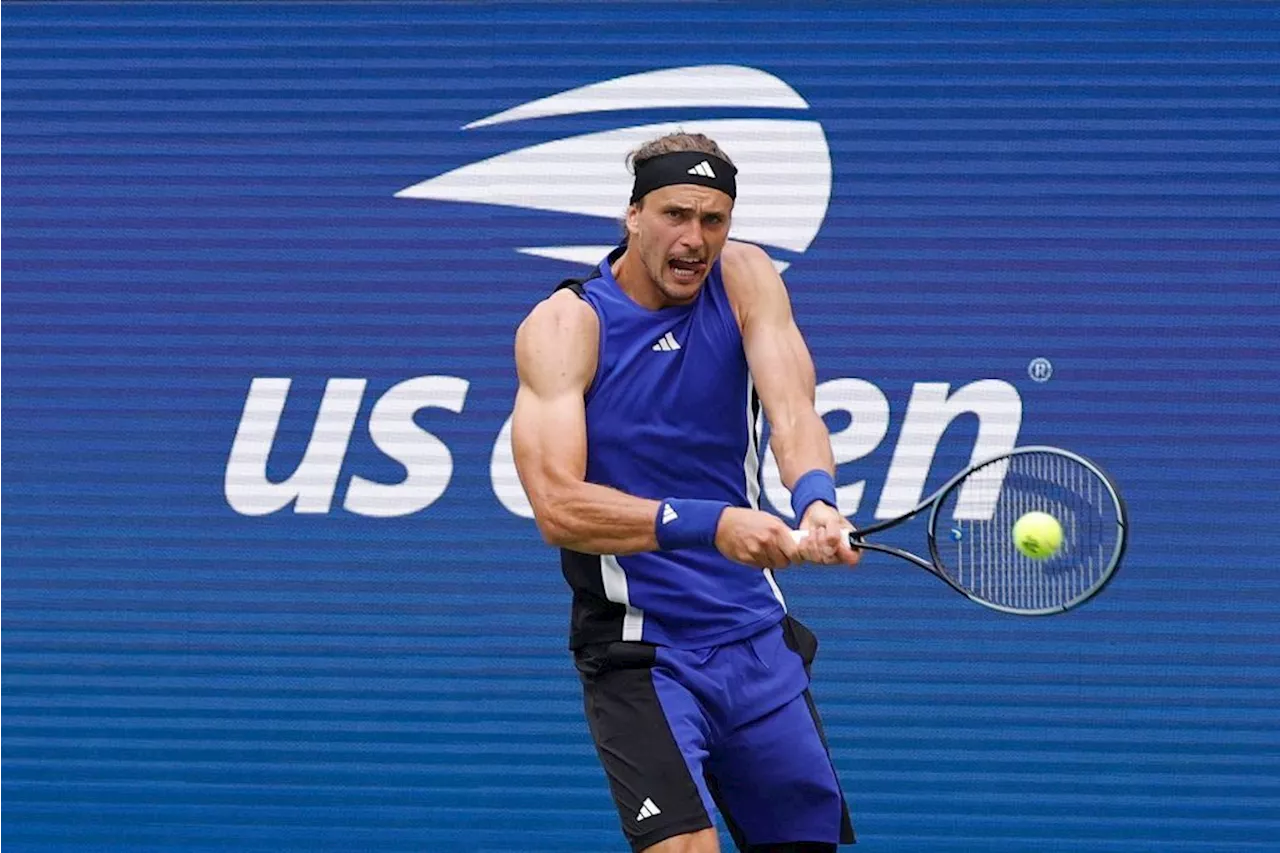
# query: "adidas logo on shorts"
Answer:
x=647 y=809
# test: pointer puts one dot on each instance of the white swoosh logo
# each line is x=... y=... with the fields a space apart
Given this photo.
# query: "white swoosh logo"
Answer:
x=692 y=86
x=784 y=180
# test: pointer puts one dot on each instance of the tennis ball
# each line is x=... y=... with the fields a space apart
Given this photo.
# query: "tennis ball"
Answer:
x=1038 y=535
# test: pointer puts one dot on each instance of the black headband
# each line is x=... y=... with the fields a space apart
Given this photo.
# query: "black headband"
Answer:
x=684 y=167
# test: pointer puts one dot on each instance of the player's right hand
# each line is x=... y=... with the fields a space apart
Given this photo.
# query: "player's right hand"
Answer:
x=756 y=538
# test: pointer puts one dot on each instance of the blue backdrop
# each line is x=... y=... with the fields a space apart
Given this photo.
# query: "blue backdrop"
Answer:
x=268 y=582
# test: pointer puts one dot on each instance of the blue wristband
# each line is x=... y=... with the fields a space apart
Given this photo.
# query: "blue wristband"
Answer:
x=815 y=485
x=687 y=523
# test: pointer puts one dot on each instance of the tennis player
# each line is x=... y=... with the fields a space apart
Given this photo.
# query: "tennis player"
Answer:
x=635 y=437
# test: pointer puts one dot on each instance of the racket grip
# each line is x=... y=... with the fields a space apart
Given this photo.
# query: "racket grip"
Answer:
x=799 y=536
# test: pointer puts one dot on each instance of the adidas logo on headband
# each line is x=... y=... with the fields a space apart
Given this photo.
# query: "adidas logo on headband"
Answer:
x=704 y=169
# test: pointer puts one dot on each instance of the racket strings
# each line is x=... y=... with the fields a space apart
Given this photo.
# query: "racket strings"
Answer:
x=981 y=556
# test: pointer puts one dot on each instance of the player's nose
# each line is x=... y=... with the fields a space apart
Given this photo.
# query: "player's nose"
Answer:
x=691 y=236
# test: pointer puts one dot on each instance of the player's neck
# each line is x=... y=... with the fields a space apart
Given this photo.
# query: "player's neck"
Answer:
x=634 y=280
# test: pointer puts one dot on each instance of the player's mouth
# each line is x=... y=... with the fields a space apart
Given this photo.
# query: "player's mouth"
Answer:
x=686 y=271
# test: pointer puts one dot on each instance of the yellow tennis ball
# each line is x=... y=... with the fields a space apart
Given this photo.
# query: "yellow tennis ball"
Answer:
x=1038 y=535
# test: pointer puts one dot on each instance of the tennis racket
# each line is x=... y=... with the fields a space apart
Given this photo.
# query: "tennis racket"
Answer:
x=971 y=541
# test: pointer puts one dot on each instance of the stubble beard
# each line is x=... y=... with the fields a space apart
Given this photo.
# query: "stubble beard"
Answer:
x=678 y=294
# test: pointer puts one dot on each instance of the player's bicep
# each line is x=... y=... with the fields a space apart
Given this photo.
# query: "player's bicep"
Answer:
x=782 y=370
x=555 y=358
x=780 y=364
x=549 y=442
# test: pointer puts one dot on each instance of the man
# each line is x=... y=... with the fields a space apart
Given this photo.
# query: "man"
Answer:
x=635 y=439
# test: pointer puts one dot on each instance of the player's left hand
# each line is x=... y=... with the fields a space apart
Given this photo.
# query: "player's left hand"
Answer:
x=828 y=539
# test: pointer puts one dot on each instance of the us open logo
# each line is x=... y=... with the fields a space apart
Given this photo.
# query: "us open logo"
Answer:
x=784 y=189
x=784 y=179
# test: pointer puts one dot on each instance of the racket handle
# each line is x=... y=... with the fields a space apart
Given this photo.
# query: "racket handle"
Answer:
x=799 y=536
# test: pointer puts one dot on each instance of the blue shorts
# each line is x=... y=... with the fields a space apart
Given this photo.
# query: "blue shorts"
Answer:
x=683 y=732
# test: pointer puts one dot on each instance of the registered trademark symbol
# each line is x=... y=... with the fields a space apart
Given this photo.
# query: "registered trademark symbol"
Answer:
x=1040 y=369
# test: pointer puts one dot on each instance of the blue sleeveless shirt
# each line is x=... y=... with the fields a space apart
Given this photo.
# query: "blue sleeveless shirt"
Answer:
x=671 y=412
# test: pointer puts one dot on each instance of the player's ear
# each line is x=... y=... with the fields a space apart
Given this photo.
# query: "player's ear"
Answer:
x=633 y=219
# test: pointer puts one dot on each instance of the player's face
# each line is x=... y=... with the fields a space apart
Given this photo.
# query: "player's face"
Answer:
x=679 y=231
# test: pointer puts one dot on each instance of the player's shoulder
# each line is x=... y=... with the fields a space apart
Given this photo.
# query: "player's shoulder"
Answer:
x=560 y=330
x=746 y=261
x=750 y=278
x=739 y=255
x=560 y=314
x=747 y=268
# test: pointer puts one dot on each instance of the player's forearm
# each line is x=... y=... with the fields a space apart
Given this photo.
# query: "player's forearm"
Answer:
x=596 y=519
x=800 y=445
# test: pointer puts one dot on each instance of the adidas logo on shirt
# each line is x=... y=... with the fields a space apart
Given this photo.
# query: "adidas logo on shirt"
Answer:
x=647 y=809
x=666 y=343
x=668 y=514
x=703 y=169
